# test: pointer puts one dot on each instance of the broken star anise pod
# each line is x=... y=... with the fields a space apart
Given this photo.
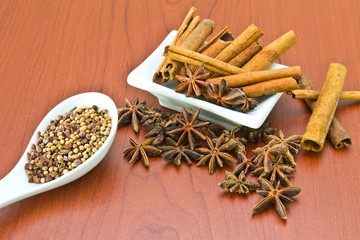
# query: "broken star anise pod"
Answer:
x=175 y=153
x=160 y=133
x=229 y=97
x=189 y=128
x=216 y=153
x=275 y=195
x=240 y=142
x=254 y=135
x=193 y=82
x=238 y=184
x=141 y=150
x=245 y=164
x=132 y=113
x=265 y=155
x=292 y=142
x=212 y=130
x=278 y=172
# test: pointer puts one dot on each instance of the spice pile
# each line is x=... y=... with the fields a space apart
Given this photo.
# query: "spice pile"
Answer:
x=183 y=137
x=67 y=142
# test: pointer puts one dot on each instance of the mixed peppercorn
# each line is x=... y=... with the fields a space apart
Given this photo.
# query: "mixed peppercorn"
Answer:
x=67 y=142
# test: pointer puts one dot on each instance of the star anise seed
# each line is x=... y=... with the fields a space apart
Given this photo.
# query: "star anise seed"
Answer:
x=238 y=184
x=132 y=113
x=175 y=153
x=275 y=195
x=216 y=153
x=194 y=82
x=141 y=150
x=189 y=128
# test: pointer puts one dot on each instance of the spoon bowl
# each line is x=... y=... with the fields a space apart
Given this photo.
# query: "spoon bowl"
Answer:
x=15 y=186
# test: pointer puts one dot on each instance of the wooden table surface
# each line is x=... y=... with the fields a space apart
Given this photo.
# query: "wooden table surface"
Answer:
x=51 y=50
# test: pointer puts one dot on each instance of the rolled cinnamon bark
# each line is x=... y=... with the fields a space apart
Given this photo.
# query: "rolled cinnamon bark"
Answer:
x=217 y=44
x=268 y=55
x=244 y=40
x=337 y=135
x=313 y=94
x=192 y=25
x=270 y=87
x=194 y=58
x=242 y=58
x=248 y=78
x=324 y=110
x=213 y=47
x=158 y=78
x=192 y=42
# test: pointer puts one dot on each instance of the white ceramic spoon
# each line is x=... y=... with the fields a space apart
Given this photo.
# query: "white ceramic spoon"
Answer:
x=15 y=186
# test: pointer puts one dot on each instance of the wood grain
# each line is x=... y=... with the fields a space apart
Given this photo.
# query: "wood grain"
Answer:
x=51 y=50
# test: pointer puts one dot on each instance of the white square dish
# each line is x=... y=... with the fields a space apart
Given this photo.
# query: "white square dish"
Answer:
x=141 y=77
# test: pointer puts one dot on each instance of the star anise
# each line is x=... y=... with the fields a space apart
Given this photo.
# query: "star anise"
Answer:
x=254 y=135
x=238 y=184
x=216 y=153
x=245 y=165
x=278 y=172
x=132 y=113
x=266 y=154
x=154 y=116
x=175 y=153
x=275 y=195
x=189 y=128
x=229 y=97
x=141 y=150
x=194 y=81
x=160 y=133
x=240 y=142
x=292 y=142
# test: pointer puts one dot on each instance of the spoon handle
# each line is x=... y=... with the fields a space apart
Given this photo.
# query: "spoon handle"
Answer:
x=14 y=186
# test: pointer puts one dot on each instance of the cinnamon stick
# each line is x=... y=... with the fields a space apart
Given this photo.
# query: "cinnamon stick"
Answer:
x=158 y=78
x=194 y=58
x=213 y=47
x=192 y=25
x=242 y=58
x=244 y=40
x=270 y=87
x=217 y=44
x=268 y=55
x=248 y=78
x=192 y=42
x=313 y=94
x=324 y=110
x=337 y=135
